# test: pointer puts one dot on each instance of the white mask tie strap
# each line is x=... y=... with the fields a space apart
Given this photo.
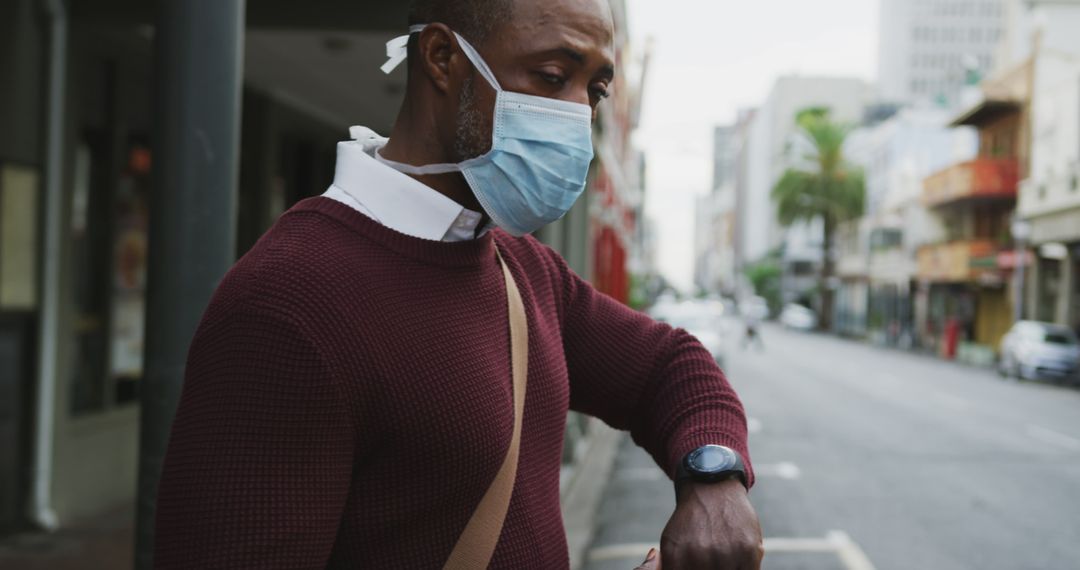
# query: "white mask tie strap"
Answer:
x=397 y=49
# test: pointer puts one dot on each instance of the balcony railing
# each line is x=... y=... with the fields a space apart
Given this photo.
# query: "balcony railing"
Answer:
x=957 y=262
x=980 y=178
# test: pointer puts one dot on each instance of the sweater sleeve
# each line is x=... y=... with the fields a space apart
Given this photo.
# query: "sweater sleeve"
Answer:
x=259 y=463
x=644 y=376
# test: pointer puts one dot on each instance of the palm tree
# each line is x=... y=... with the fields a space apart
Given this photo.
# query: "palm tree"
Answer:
x=826 y=187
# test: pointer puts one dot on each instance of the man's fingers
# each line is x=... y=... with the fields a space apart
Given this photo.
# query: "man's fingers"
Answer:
x=652 y=561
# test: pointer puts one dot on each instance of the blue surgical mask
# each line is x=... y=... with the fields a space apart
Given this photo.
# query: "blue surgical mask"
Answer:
x=540 y=153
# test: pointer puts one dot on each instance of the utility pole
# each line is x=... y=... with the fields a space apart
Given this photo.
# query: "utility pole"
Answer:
x=199 y=67
x=1021 y=231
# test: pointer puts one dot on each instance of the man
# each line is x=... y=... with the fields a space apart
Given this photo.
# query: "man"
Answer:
x=752 y=324
x=348 y=400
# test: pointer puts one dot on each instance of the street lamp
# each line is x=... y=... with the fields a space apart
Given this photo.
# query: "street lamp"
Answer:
x=1021 y=231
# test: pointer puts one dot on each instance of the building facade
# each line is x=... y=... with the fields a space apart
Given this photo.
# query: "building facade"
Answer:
x=771 y=136
x=931 y=49
x=715 y=267
x=614 y=208
x=851 y=299
x=965 y=276
x=714 y=242
x=896 y=155
x=1045 y=34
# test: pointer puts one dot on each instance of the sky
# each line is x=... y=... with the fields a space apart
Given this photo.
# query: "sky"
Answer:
x=711 y=58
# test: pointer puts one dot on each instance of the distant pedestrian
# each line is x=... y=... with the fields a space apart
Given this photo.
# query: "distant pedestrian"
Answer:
x=355 y=396
x=752 y=336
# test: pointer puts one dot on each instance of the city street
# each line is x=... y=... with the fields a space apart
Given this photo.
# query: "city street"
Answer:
x=872 y=458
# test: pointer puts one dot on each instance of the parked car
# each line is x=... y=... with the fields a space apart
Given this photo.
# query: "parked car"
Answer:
x=798 y=317
x=1034 y=350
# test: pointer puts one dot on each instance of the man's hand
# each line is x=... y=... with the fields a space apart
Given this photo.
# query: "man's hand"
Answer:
x=714 y=527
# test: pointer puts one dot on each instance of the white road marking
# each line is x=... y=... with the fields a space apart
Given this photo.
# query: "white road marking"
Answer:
x=753 y=425
x=783 y=470
x=798 y=545
x=851 y=555
x=837 y=541
x=1052 y=437
x=641 y=474
x=636 y=551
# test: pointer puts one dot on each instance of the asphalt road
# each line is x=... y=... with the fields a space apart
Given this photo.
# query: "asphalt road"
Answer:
x=873 y=458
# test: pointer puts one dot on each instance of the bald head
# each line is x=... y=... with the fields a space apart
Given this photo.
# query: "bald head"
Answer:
x=473 y=19
x=522 y=35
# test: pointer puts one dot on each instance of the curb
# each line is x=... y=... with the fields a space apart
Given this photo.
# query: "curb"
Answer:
x=581 y=498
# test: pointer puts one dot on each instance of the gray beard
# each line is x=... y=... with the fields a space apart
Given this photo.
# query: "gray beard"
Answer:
x=470 y=140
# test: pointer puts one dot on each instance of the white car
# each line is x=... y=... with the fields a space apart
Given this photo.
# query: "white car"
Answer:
x=1034 y=350
x=798 y=317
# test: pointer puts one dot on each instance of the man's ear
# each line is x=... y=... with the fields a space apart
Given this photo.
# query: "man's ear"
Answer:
x=435 y=49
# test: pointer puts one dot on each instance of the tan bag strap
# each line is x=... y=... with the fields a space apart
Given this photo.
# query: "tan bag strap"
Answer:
x=477 y=542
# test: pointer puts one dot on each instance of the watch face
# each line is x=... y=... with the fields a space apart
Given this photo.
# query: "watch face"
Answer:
x=712 y=459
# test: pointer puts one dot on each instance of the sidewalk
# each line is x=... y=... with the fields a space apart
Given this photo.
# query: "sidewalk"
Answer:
x=102 y=543
x=637 y=501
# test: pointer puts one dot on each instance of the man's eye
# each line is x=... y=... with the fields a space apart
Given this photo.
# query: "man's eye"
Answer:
x=601 y=92
x=552 y=78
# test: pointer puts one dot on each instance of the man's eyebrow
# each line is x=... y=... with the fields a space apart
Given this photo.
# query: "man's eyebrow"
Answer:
x=573 y=54
x=606 y=72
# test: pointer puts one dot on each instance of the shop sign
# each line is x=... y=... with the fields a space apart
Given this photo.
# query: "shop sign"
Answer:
x=1053 y=250
x=957 y=261
x=1061 y=226
x=1007 y=259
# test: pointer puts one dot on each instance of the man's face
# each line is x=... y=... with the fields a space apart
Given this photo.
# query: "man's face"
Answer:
x=560 y=49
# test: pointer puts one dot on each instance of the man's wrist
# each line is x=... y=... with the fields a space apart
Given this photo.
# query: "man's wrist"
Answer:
x=709 y=465
x=695 y=491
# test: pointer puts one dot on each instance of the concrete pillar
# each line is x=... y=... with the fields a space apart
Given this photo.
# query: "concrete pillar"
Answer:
x=1063 y=312
x=1032 y=280
x=921 y=300
x=21 y=67
x=193 y=212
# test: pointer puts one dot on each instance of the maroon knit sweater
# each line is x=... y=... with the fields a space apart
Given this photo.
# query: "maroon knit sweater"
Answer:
x=348 y=399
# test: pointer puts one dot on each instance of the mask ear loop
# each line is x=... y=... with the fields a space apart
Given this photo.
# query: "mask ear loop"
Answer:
x=397 y=51
x=427 y=169
x=478 y=62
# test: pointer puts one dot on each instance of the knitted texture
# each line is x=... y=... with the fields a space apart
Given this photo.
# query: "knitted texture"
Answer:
x=348 y=399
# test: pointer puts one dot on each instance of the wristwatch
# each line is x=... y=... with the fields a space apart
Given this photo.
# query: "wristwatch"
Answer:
x=710 y=464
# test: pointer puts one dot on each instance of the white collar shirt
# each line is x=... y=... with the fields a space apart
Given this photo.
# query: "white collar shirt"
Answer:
x=393 y=199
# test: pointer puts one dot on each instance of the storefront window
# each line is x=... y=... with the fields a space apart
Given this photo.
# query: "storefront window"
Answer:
x=1049 y=289
x=109 y=234
x=18 y=238
x=129 y=276
x=88 y=367
x=1074 y=317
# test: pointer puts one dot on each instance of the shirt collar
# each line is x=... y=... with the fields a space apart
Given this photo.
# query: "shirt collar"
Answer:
x=396 y=200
